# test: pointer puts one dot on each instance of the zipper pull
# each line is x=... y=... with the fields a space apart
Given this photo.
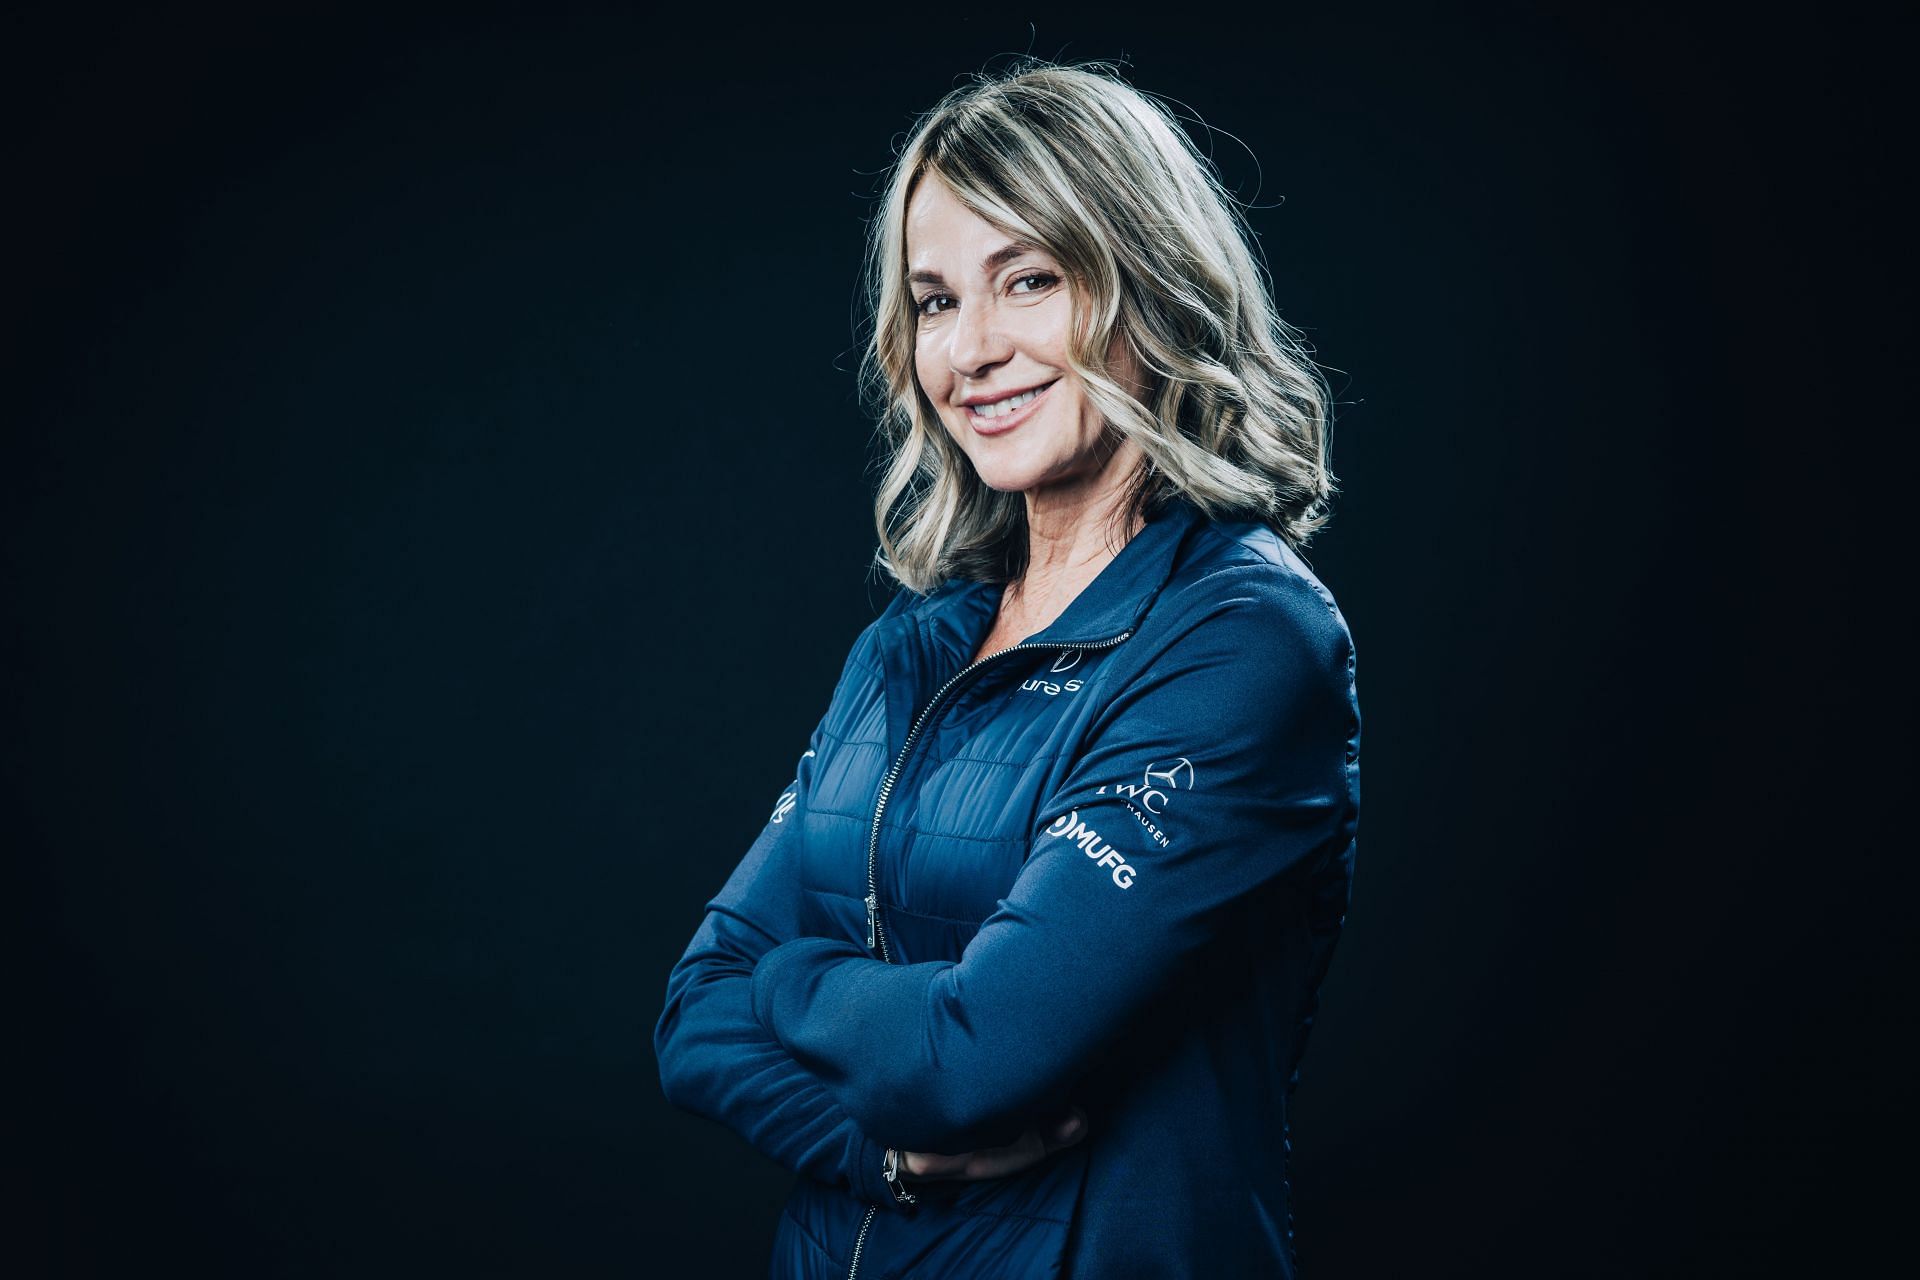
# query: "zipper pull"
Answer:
x=873 y=919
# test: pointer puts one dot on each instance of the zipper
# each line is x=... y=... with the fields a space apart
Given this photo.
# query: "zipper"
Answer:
x=861 y=1239
x=876 y=932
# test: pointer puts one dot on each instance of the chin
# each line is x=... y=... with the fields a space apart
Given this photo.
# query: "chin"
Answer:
x=1007 y=479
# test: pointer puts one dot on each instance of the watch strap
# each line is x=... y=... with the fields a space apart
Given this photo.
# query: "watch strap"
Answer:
x=890 y=1170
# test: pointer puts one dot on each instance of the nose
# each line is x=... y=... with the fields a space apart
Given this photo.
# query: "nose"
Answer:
x=978 y=342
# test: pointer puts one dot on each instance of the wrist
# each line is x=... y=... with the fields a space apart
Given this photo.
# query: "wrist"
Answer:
x=890 y=1170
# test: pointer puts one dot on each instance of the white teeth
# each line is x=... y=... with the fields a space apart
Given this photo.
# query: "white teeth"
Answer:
x=1000 y=408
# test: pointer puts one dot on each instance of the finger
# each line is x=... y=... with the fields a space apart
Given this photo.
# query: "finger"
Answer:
x=998 y=1162
x=926 y=1164
x=1068 y=1130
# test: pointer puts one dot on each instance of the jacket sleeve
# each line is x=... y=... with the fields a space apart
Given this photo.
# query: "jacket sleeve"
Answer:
x=1238 y=743
x=715 y=1059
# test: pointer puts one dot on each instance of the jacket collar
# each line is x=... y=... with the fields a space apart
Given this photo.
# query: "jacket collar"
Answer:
x=1109 y=606
x=933 y=638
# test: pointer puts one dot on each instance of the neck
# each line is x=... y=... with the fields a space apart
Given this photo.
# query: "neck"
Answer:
x=1074 y=529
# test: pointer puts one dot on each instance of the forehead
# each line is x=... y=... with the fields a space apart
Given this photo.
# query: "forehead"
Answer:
x=943 y=234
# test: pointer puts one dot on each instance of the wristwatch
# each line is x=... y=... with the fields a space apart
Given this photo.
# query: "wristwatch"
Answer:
x=890 y=1170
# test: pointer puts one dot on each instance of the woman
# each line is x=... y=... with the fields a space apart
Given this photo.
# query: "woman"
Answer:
x=1018 y=974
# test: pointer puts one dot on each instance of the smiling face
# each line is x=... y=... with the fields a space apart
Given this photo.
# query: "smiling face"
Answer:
x=994 y=318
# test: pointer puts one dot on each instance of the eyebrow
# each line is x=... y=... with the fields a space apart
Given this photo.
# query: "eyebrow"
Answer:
x=994 y=261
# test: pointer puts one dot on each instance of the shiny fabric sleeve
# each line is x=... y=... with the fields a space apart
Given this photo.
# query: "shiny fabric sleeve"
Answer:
x=716 y=1060
x=1245 y=725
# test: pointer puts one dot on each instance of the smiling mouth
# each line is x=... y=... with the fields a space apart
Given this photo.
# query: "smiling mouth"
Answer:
x=993 y=414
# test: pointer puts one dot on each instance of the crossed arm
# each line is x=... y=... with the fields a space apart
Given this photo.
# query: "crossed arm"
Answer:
x=717 y=1060
x=807 y=1045
x=1255 y=699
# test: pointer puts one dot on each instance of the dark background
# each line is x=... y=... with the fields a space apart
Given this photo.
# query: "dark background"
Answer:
x=436 y=508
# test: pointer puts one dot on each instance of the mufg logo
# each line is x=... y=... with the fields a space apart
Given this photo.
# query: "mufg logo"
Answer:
x=1077 y=832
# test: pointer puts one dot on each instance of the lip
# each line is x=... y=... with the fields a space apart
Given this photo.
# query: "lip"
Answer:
x=1006 y=422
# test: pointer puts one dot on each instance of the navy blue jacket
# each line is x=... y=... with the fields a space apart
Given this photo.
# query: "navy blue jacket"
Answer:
x=1107 y=866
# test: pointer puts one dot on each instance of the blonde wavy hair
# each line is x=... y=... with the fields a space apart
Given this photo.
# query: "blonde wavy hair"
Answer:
x=1073 y=159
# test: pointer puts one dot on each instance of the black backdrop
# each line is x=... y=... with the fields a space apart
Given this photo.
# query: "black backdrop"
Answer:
x=436 y=509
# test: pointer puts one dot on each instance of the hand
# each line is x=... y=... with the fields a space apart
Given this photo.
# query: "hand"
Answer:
x=1029 y=1149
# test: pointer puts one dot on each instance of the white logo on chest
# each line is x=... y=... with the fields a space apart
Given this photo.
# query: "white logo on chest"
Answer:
x=1053 y=688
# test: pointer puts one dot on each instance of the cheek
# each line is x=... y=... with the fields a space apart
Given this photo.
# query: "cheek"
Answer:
x=930 y=370
x=936 y=384
x=1050 y=331
x=1092 y=424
